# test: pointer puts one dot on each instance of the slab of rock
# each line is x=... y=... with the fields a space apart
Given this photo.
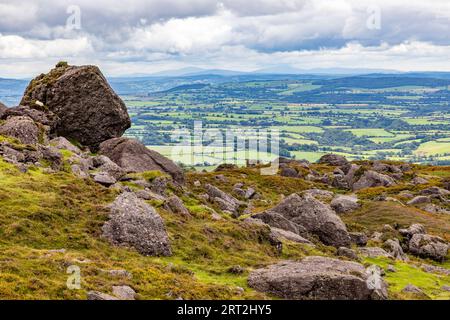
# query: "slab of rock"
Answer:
x=276 y=220
x=435 y=191
x=46 y=118
x=149 y=195
x=62 y=143
x=419 y=180
x=428 y=246
x=289 y=172
x=134 y=223
x=412 y=289
x=106 y=165
x=320 y=194
x=374 y=252
x=314 y=278
x=133 y=157
x=21 y=128
x=316 y=217
x=89 y=111
x=104 y=179
x=435 y=269
x=345 y=204
x=291 y=236
x=372 y=179
x=333 y=160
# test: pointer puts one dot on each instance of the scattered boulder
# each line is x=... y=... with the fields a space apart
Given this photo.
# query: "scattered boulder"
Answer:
x=149 y=195
x=393 y=247
x=225 y=201
x=419 y=180
x=419 y=200
x=314 y=216
x=314 y=278
x=435 y=269
x=62 y=143
x=95 y=295
x=416 y=291
x=103 y=164
x=333 y=160
x=428 y=246
x=104 y=179
x=289 y=172
x=412 y=230
x=374 y=252
x=53 y=156
x=136 y=224
x=46 y=118
x=132 y=156
x=124 y=292
x=358 y=238
x=345 y=204
x=278 y=221
x=435 y=191
x=22 y=128
x=372 y=179
x=348 y=253
x=391 y=268
x=175 y=205
x=89 y=111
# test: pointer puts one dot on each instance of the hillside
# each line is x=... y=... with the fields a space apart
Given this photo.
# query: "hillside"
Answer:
x=136 y=226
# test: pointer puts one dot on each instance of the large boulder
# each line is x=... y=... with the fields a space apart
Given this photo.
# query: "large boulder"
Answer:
x=134 y=223
x=373 y=179
x=318 y=278
x=132 y=156
x=89 y=111
x=428 y=246
x=22 y=128
x=314 y=216
x=225 y=201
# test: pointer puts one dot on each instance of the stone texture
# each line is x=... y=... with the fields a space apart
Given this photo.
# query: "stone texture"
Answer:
x=333 y=160
x=345 y=204
x=314 y=278
x=136 y=224
x=373 y=179
x=132 y=156
x=428 y=246
x=22 y=128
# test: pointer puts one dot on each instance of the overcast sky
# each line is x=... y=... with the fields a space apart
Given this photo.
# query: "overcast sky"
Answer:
x=147 y=36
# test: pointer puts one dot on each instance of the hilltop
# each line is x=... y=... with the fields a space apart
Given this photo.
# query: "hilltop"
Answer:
x=75 y=195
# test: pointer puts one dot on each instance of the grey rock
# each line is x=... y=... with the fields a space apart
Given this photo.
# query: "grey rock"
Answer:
x=358 y=238
x=391 y=268
x=88 y=109
x=313 y=278
x=124 y=292
x=276 y=220
x=135 y=223
x=435 y=191
x=428 y=246
x=412 y=230
x=393 y=247
x=289 y=172
x=291 y=236
x=119 y=273
x=316 y=217
x=320 y=194
x=373 y=179
x=175 y=205
x=95 y=295
x=104 y=179
x=410 y=288
x=106 y=165
x=348 y=253
x=133 y=157
x=333 y=160
x=419 y=180
x=47 y=118
x=435 y=269
x=419 y=200
x=374 y=252
x=21 y=128
x=149 y=195
x=375 y=283
x=225 y=201
x=345 y=204
x=62 y=143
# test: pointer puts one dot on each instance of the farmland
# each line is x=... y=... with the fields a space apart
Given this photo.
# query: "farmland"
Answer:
x=365 y=117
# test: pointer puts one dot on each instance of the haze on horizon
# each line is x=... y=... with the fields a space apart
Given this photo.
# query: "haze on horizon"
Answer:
x=131 y=37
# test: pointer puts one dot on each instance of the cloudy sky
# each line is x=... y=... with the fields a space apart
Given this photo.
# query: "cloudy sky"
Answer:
x=146 y=36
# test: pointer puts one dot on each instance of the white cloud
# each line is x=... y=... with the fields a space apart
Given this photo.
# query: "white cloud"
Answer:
x=155 y=34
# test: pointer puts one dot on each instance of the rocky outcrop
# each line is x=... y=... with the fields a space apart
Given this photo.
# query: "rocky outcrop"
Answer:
x=374 y=252
x=412 y=230
x=88 y=110
x=358 y=238
x=318 y=278
x=46 y=118
x=372 y=179
x=428 y=246
x=393 y=247
x=315 y=217
x=132 y=156
x=136 y=224
x=21 y=128
x=176 y=205
x=333 y=160
x=3 y=108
